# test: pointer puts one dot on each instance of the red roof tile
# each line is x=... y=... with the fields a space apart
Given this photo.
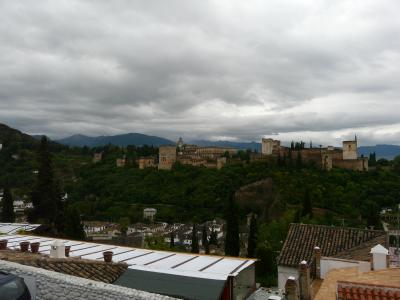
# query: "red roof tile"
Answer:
x=357 y=291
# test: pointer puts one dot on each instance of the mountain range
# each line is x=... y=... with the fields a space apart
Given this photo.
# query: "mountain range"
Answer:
x=124 y=140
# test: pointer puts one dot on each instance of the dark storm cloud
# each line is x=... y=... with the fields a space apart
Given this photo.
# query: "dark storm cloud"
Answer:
x=202 y=69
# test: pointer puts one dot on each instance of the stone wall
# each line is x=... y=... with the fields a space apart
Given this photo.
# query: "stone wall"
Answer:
x=53 y=285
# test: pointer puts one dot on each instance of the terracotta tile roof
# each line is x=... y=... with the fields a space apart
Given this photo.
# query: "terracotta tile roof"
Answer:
x=388 y=279
x=357 y=291
x=340 y=242
x=362 y=252
x=95 y=270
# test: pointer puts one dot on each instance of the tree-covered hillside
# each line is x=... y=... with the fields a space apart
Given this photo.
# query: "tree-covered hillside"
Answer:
x=279 y=192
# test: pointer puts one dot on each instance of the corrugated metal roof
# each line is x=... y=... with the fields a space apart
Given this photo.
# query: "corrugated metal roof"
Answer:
x=12 y=228
x=177 y=263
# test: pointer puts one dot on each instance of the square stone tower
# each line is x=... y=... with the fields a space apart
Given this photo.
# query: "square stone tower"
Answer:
x=167 y=157
x=350 y=150
x=268 y=146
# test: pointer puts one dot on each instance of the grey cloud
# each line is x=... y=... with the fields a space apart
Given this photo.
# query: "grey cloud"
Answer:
x=165 y=67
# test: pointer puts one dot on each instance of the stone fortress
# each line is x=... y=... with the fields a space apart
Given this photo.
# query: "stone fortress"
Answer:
x=209 y=157
x=327 y=158
x=216 y=157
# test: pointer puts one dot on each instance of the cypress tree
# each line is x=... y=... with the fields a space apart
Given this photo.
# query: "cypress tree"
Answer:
x=307 y=205
x=7 y=214
x=232 y=243
x=252 y=241
x=172 y=240
x=45 y=196
x=299 y=159
x=204 y=240
x=73 y=227
x=195 y=240
x=290 y=164
x=213 y=238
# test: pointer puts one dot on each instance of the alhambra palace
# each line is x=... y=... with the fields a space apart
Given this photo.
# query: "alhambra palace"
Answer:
x=216 y=157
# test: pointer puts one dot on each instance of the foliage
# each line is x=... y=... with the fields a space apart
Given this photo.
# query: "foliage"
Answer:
x=45 y=196
x=172 y=240
x=252 y=241
x=204 y=240
x=195 y=240
x=213 y=238
x=73 y=226
x=307 y=205
x=7 y=213
x=156 y=242
x=232 y=243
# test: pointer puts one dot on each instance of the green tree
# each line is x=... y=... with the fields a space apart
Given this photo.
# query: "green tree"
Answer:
x=7 y=213
x=172 y=240
x=307 y=205
x=213 y=237
x=46 y=199
x=299 y=161
x=73 y=227
x=266 y=264
x=123 y=225
x=253 y=234
x=232 y=243
x=204 y=240
x=372 y=159
x=195 y=240
x=396 y=163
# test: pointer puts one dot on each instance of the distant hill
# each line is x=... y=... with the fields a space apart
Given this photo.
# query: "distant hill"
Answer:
x=238 y=145
x=382 y=151
x=10 y=135
x=124 y=140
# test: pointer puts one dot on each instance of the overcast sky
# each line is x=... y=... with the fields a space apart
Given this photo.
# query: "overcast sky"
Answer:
x=237 y=70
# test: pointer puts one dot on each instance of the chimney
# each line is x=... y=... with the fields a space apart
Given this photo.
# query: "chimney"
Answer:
x=379 y=259
x=291 y=289
x=304 y=281
x=317 y=256
x=57 y=250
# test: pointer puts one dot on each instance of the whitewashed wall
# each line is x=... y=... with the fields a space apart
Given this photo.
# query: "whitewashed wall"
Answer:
x=284 y=273
x=328 y=263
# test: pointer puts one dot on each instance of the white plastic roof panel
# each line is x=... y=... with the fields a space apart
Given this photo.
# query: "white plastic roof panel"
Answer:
x=171 y=261
x=115 y=249
x=146 y=258
x=12 y=228
x=183 y=264
x=128 y=255
x=197 y=264
x=15 y=242
x=98 y=254
x=224 y=266
x=96 y=249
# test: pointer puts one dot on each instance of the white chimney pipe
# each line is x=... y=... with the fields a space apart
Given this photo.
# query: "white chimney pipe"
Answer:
x=379 y=257
x=57 y=250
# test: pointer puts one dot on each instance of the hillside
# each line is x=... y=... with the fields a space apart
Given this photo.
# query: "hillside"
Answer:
x=10 y=135
x=122 y=140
